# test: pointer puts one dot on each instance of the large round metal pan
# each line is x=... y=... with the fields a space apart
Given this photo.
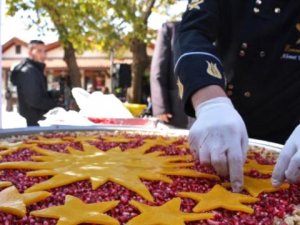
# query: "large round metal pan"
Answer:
x=177 y=132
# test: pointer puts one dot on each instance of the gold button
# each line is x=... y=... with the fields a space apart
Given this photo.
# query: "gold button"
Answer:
x=244 y=45
x=277 y=10
x=230 y=86
x=247 y=94
x=256 y=10
x=262 y=54
x=229 y=93
x=242 y=53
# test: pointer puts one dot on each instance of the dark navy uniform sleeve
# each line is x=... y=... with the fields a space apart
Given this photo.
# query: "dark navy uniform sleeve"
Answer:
x=197 y=63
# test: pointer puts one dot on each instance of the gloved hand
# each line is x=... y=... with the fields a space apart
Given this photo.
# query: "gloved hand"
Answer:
x=288 y=163
x=220 y=138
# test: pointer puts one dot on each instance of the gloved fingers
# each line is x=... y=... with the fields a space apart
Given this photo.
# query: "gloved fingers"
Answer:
x=236 y=163
x=196 y=142
x=292 y=173
x=245 y=144
x=194 y=154
x=282 y=163
x=204 y=155
x=193 y=143
x=204 y=152
x=219 y=162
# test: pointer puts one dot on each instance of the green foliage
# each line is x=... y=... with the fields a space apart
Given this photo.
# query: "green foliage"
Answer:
x=93 y=24
x=84 y=23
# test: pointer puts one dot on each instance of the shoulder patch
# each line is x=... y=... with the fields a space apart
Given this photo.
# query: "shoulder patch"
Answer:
x=212 y=69
x=180 y=88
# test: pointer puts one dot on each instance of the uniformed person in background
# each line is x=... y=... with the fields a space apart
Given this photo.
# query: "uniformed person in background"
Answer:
x=248 y=51
x=166 y=102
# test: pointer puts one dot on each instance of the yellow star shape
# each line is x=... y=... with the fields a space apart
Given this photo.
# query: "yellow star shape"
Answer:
x=82 y=138
x=125 y=168
x=11 y=201
x=253 y=165
x=117 y=139
x=4 y=184
x=11 y=147
x=167 y=214
x=256 y=186
x=74 y=212
x=43 y=140
x=219 y=197
x=160 y=141
x=184 y=145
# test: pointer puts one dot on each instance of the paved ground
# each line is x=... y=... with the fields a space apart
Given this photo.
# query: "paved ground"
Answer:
x=12 y=119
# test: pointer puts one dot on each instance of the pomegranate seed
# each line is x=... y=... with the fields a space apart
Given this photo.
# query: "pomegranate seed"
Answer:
x=278 y=204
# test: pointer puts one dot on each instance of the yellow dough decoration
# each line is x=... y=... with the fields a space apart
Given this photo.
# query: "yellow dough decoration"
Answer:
x=81 y=138
x=184 y=145
x=253 y=165
x=125 y=168
x=117 y=139
x=4 y=184
x=12 y=147
x=43 y=140
x=160 y=141
x=74 y=212
x=11 y=201
x=219 y=197
x=167 y=214
x=256 y=186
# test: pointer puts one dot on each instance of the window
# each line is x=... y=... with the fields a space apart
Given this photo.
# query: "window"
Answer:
x=18 y=49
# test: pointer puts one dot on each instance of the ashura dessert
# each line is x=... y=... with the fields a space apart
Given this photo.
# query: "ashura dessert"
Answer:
x=133 y=178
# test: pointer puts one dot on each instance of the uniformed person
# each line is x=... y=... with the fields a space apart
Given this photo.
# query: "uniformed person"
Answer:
x=166 y=103
x=250 y=51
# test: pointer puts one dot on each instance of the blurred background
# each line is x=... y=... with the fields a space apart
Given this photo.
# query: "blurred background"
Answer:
x=96 y=45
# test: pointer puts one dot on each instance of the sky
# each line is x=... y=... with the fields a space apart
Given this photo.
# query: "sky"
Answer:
x=16 y=26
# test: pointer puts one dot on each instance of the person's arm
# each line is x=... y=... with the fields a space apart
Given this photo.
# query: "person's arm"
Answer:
x=207 y=93
x=159 y=74
x=197 y=62
x=218 y=135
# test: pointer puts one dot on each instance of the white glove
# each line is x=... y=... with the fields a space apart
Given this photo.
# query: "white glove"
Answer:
x=220 y=138
x=288 y=163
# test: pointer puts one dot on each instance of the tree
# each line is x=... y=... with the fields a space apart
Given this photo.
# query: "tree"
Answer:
x=135 y=33
x=89 y=24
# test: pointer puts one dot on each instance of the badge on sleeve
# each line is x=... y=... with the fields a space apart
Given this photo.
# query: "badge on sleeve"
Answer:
x=213 y=70
x=298 y=29
x=180 y=88
x=292 y=50
x=195 y=4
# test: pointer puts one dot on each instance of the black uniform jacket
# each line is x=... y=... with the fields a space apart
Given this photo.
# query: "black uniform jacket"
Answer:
x=164 y=88
x=33 y=98
x=254 y=45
